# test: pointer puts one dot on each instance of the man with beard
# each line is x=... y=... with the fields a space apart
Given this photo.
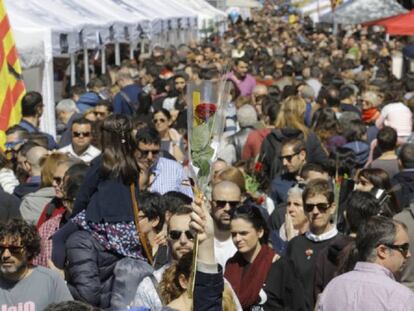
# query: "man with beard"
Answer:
x=23 y=286
x=226 y=196
x=244 y=81
x=179 y=237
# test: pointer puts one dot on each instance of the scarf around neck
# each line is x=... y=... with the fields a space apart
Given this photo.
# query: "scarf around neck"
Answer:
x=370 y=115
x=247 y=281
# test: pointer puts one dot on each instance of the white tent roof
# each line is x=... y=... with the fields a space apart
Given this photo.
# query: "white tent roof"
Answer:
x=47 y=28
x=243 y=3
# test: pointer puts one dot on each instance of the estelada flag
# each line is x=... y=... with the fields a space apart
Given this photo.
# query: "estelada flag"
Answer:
x=11 y=82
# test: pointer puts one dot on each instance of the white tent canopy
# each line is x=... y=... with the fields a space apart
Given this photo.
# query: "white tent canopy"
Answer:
x=208 y=16
x=48 y=28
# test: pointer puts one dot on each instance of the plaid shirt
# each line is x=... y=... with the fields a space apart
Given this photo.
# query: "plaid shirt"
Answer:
x=169 y=175
x=46 y=230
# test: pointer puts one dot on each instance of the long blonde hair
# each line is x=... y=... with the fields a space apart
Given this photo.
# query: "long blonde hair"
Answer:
x=292 y=114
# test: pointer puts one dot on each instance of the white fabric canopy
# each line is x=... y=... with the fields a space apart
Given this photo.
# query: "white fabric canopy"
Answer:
x=315 y=8
x=47 y=28
x=243 y=3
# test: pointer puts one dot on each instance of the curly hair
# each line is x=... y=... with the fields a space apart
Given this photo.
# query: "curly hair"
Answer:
x=19 y=229
x=169 y=286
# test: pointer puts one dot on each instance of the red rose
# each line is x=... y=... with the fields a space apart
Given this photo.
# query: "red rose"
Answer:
x=258 y=166
x=205 y=110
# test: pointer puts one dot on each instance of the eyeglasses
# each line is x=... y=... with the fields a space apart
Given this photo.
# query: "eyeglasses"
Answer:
x=58 y=180
x=288 y=157
x=403 y=248
x=176 y=234
x=322 y=207
x=144 y=153
x=13 y=249
x=83 y=134
x=159 y=120
x=222 y=203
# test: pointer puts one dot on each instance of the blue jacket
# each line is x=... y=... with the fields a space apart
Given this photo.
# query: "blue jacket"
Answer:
x=51 y=143
x=361 y=150
x=87 y=101
x=121 y=104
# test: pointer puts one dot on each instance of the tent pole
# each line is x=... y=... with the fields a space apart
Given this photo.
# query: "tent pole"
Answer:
x=117 y=54
x=387 y=37
x=131 y=50
x=86 y=65
x=72 y=69
x=103 y=60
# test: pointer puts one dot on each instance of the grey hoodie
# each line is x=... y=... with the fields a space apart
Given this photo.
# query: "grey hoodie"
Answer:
x=33 y=203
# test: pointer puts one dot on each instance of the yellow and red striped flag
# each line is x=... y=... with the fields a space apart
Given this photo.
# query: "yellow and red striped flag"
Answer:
x=11 y=82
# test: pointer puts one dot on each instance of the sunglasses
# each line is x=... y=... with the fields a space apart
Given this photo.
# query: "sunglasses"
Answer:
x=58 y=180
x=159 y=120
x=176 y=234
x=288 y=157
x=13 y=249
x=403 y=248
x=322 y=207
x=222 y=203
x=11 y=145
x=83 y=134
x=145 y=153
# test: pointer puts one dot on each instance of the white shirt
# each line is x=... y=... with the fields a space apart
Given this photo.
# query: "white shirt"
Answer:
x=224 y=250
x=87 y=156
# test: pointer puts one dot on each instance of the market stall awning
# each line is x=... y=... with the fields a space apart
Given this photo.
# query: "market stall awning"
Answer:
x=363 y=11
x=402 y=25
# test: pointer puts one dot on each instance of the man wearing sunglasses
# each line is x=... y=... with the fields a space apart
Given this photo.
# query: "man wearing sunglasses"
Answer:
x=382 y=246
x=22 y=285
x=303 y=250
x=226 y=196
x=158 y=174
x=179 y=237
x=407 y=273
x=81 y=145
x=293 y=158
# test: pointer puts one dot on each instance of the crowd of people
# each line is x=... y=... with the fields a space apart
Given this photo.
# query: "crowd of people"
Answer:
x=310 y=202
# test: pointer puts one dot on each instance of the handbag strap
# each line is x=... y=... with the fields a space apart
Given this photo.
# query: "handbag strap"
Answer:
x=141 y=236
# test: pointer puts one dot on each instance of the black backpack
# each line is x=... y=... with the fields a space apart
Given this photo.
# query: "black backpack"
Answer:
x=270 y=150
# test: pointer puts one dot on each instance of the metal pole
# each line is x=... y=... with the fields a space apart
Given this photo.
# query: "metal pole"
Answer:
x=103 y=59
x=117 y=54
x=131 y=50
x=86 y=65
x=72 y=69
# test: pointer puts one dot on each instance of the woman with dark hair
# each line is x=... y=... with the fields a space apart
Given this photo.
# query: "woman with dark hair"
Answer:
x=175 y=102
x=326 y=127
x=171 y=140
x=373 y=179
x=144 y=111
x=103 y=211
x=256 y=271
